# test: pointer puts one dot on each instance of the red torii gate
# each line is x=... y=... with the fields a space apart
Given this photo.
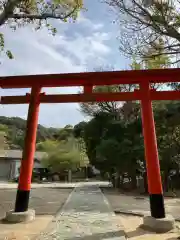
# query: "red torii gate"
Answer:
x=145 y=94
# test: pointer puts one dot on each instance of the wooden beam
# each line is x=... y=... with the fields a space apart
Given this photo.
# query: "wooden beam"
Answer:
x=73 y=98
x=92 y=97
x=92 y=78
x=165 y=95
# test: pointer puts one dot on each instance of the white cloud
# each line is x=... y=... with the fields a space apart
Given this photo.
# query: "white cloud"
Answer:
x=88 y=23
x=41 y=53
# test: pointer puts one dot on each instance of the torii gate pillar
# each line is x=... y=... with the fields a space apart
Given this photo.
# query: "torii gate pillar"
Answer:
x=24 y=187
x=151 y=153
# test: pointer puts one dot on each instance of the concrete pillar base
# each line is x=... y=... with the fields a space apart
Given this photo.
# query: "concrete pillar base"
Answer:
x=17 y=217
x=160 y=225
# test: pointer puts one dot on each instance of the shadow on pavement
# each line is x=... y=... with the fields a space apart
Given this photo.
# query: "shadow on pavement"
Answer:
x=136 y=233
x=100 y=236
x=173 y=238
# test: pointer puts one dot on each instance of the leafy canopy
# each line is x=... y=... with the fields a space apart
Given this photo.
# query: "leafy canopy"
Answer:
x=18 y=13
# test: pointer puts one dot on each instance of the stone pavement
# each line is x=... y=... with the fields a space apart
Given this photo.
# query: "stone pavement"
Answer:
x=86 y=215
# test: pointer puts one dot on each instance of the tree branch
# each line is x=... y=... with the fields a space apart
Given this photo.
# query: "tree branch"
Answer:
x=43 y=16
x=8 y=9
x=139 y=23
x=11 y=5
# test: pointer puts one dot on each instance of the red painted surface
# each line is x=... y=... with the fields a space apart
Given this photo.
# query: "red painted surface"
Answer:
x=88 y=80
x=150 y=143
x=30 y=142
x=68 y=98
x=92 y=97
x=88 y=89
x=92 y=78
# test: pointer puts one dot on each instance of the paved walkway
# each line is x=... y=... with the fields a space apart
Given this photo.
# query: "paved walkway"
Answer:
x=86 y=215
x=6 y=185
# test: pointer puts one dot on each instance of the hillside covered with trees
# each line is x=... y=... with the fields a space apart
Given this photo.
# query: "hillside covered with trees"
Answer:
x=14 y=131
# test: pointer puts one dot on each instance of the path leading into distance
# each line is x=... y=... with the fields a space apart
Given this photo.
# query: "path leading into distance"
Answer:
x=86 y=215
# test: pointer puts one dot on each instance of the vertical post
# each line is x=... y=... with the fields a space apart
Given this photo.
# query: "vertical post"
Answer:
x=24 y=186
x=88 y=89
x=151 y=153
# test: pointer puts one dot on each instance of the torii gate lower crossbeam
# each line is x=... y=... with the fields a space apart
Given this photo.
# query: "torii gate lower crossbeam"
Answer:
x=145 y=95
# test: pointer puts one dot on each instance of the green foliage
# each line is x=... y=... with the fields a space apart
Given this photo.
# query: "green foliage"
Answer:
x=112 y=143
x=81 y=147
x=78 y=130
x=15 y=128
x=9 y=54
x=3 y=49
x=154 y=59
x=135 y=65
x=3 y=128
x=65 y=133
x=47 y=145
x=118 y=145
x=108 y=154
x=23 y=12
x=65 y=155
x=151 y=60
x=3 y=142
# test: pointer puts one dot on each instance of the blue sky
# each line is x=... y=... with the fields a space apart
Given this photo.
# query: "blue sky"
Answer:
x=81 y=46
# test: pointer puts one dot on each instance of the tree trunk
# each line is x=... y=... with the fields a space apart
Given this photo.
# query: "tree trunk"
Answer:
x=118 y=180
x=166 y=181
x=69 y=176
x=145 y=182
x=121 y=181
x=133 y=181
x=113 y=180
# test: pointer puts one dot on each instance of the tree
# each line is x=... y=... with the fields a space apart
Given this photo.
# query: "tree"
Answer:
x=63 y=160
x=104 y=152
x=155 y=25
x=93 y=134
x=4 y=128
x=114 y=139
x=17 y=13
x=168 y=136
x=48 y=145
x=65 y=133
x=81 y=146
x=3 y=142
x=78 y=130
x=64 y=155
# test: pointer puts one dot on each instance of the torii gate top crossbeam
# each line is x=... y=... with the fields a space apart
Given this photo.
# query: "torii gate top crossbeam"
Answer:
x=92 y=78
